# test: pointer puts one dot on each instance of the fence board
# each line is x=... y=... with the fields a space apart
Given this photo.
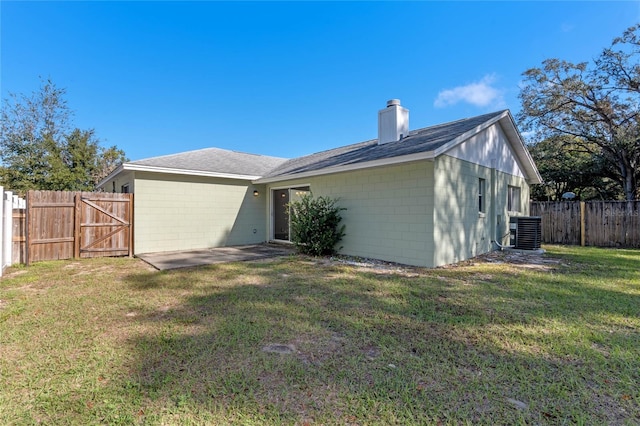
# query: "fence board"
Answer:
x=560 y=222
x=605 y=223
x=613 y=224
x=19 y=232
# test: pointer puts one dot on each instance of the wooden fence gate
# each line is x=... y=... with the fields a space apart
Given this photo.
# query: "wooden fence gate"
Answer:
x=65 y=225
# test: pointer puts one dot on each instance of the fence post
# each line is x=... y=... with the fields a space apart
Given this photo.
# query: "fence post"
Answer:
x=27 y=225
x=582 y=224
x=7 y=239
x=77 y=218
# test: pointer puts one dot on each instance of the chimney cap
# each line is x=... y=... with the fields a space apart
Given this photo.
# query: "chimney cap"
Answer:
x=392 y=102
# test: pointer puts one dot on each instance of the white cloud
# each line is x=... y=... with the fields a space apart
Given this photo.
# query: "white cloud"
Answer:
x=480 y=94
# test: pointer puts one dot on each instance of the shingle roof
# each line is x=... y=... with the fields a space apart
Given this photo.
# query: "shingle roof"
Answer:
x=423 y=143
x=417 y=141
x=214 y=160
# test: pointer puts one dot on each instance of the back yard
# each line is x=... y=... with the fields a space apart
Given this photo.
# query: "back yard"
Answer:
x=310 y=341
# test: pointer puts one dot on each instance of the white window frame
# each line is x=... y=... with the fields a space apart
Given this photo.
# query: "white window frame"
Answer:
x=482 y=195
x=514 y=199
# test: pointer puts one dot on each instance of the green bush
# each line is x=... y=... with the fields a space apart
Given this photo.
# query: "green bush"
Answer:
x=315 y=226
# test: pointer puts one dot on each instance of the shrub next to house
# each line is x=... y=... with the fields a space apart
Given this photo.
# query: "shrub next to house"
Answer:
x=315 y=225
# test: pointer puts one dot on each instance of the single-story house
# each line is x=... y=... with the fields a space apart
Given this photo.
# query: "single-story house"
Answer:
x=425 y=197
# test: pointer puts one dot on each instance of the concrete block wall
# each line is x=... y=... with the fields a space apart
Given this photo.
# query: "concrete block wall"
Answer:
x=503 y=181
x=460 y=230
x=191 y=212
x=389 y=212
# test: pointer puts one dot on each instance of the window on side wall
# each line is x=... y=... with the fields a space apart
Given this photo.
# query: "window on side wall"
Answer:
x=513 y=199
x=124 y=188
x=481 y=196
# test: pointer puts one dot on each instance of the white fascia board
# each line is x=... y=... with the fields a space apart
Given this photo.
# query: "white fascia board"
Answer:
x=166 y=170
x=522 y=151
x=140 y=168
x=350 y=167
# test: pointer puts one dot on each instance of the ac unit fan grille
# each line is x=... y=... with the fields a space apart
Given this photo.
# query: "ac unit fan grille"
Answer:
x=529 y=233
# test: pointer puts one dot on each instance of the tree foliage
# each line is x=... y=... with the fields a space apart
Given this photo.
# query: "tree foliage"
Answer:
x=39 y=149
x=315 y=225
x=566 y=166
x=597 y=105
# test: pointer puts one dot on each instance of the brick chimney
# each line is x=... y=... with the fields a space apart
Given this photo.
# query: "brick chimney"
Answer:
x=393 y=122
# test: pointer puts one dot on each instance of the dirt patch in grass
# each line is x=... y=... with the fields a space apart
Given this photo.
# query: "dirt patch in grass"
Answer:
x=523 y=259
x=14 y=272
x=518 y=258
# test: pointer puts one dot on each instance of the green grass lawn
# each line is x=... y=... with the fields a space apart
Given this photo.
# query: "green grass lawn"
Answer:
x=109 y=341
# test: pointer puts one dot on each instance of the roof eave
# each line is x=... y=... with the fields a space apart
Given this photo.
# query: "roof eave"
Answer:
x=167 y=170
x=509 y=126
x=429 y=155
x=466 y=135
x=115 y=172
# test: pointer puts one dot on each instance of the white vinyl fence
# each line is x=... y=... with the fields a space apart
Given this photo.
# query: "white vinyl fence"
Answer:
x=8 y=202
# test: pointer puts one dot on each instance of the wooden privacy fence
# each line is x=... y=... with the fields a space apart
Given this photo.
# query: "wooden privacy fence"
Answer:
x=65 y=225
x=590 y=223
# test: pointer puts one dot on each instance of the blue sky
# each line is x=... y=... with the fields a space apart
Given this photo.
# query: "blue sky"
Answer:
x=289 y=78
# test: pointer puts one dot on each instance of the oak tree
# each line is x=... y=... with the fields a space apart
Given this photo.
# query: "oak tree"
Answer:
x=597 y=104
x=566 y=166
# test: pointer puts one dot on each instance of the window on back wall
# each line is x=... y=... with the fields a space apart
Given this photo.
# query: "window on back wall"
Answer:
x=481 y=195
x=513 y=199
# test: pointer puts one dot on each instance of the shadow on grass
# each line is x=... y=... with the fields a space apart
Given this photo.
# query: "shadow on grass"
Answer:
x=600 y=263
x=368 y=348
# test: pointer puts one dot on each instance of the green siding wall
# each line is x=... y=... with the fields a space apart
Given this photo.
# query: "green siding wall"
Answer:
x=503 y=181
x=174 y=212
x=389 y=212
x=460 y=231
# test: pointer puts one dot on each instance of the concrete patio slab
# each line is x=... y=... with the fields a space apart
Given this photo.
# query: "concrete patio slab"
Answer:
x=184 y=259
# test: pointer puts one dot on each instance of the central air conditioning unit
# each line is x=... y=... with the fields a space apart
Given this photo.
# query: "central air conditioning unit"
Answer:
x=525 y=232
